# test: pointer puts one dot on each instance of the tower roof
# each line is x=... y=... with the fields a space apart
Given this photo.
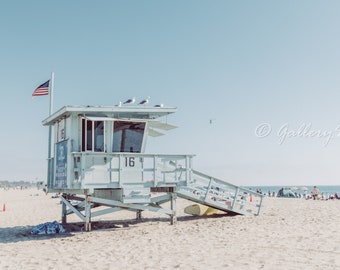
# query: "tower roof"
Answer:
x=125 y=112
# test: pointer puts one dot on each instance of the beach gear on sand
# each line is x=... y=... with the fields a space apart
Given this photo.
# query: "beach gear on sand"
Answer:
x=201 y=210
x=48 y=228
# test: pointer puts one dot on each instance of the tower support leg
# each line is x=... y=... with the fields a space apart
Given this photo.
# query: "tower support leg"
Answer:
x=139 y=215
x=173 y=217
x=63 y=212
x=87 y=213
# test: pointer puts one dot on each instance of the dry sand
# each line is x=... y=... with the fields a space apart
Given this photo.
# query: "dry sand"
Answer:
x=288 y=234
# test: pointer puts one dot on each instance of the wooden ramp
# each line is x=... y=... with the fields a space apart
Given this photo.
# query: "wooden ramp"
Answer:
x=221 y=195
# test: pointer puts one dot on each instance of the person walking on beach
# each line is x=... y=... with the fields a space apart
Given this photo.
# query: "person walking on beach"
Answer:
x=315 y=193
x=45 y=189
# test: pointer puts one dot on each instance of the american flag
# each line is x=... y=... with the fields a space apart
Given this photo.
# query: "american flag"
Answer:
x=41 y=90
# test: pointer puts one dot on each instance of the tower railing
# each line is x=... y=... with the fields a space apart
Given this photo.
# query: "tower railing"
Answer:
x=92 y=169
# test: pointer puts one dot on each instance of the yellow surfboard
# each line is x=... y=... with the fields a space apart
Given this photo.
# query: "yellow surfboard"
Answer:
x=201 y=210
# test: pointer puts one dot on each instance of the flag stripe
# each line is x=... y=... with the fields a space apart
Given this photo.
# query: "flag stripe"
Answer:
x=41 y=90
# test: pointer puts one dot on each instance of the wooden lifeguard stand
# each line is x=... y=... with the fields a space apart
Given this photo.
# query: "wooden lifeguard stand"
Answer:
x=99 y=160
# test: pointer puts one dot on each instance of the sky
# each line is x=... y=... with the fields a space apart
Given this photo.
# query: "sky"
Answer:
x=256 y=83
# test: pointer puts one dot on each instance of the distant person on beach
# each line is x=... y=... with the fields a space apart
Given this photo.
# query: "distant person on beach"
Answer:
x=45 y=189
x=315 y=193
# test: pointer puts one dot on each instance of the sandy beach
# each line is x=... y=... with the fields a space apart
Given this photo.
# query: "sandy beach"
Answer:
x=288 y=234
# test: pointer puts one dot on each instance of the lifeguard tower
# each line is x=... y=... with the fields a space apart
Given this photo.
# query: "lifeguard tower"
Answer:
x=99 y=160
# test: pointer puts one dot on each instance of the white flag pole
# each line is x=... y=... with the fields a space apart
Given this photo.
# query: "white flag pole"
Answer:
x=49 y=164
x=51 y=86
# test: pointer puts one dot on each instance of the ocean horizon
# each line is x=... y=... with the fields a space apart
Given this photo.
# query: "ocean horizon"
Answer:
x=326 y=189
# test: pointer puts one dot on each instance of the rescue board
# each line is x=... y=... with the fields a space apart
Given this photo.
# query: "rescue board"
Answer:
x=201 y=210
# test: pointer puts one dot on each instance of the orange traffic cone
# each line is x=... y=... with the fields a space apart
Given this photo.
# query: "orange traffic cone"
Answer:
x=4 y=208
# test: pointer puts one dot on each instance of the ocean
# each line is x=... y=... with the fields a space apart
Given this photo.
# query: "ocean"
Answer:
x=300 y=189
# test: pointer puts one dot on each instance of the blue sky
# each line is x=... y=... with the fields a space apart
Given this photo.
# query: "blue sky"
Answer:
x=241 y=63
